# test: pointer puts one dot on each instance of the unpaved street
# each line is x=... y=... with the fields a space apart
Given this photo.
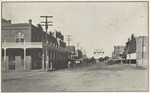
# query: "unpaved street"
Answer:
x=94 y=77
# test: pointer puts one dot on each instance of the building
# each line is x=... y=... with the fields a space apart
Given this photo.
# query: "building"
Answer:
x=71 y=50
x=74 y=54
x=84 y=56
x=137 y=50
x=23 y=47
x=118 y=53
x=78 y=54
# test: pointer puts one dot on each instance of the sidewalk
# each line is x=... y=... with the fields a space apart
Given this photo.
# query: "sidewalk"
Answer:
x=13 y=74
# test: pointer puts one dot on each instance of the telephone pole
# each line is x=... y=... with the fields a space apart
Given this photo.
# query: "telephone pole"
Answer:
x=142 y=50
x=45 y=50
x=78 y=44
x=69 y=38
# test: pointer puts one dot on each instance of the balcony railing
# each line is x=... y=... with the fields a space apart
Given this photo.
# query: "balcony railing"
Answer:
x=30 y=45
x=22 y=44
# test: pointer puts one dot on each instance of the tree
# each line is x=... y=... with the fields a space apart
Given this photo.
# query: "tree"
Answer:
x=106 y=58
x=101 y=59
x=92 y=59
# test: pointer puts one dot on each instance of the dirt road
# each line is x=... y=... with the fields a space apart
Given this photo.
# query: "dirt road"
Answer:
x=94 y=77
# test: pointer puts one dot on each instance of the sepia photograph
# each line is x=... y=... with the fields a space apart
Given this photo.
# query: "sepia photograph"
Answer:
x=74 y=46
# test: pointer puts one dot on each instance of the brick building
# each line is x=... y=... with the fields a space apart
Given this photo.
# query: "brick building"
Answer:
x=118 y=53
x=22 y=47
x=137 y=50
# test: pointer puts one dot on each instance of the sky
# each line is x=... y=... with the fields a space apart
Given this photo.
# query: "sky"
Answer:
x=94 y=25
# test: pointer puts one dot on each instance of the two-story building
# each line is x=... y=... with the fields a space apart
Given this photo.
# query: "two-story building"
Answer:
x=137 y=50
x=23 y=45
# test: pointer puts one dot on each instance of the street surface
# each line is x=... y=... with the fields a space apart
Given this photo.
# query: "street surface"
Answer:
x=93 y=77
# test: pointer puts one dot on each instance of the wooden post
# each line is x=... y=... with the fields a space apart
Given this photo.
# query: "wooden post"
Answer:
x=43 y=60
x=129 y=59
x=5 y=61
x=24 y=59
x=142 y=50
x=51 y=60
x=45 y=41
x=47 y=60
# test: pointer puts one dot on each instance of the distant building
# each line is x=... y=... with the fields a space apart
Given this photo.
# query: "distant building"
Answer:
x=71 y=49
x=78 y=54
x=84 y=56
x=75 y=54
x=23 y=45
x=118 y=52
x=137 y=50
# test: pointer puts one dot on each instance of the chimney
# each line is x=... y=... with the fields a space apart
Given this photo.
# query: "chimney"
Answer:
x=9 y=21
x=38 y=25
x=30 y=21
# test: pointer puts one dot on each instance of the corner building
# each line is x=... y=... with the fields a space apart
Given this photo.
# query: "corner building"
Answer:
x=23 y=47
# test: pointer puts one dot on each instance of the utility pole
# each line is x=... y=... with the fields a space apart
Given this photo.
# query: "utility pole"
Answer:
x=84 y=51
x=10 y=29
x=81 y=48
x=142 y=50
x=69 y=38
x=78 y=45
x=45 y=50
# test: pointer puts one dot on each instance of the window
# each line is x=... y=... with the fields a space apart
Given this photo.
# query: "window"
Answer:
x=19 y=37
